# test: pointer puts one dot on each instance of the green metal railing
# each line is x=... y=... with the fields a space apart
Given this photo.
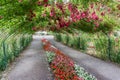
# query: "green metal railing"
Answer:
x=11 y=45
x=99 y=45
x=108 y=47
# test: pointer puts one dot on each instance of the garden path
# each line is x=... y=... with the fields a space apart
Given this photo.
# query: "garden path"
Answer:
x=32 y=65
x=101 y=69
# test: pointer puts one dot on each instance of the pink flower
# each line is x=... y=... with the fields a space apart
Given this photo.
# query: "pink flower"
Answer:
x=83 y=15
x=94 y=16
x=67 y=23
x=78 y=17
x=34 y=28
x=109 y=10
x=44 y=15
x=52 y=12
x=74 y=20
x=93 y=13
x=100 y=19
x=88 y=20
x=39 y=3
x=60 y=6
x=70 y=6
x=45 y=5
x=45 y=1
x=103 y=14
x=92 y=5
x=96 y=24
x=72 y=15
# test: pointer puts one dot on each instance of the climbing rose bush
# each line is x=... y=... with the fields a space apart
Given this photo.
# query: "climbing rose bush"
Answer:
x=63 y=16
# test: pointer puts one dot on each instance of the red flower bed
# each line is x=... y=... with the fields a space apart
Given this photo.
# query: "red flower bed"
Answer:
x=62 y=66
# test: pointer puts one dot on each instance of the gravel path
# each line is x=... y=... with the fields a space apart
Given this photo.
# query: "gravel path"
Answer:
x=101 y=69
x=32 y=65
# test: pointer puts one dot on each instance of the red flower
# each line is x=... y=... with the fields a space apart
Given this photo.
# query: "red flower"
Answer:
x=92 y=5
x=109 y=10
x=39 y=3
x=94 y=16
x=62 y=66
x=52 y=12
x=45 y=5
x=67 y=23
x=45 y=1
x=34 y=28
x=78 y=17
x=96 y=24
x=83 y=15
x=103 y=13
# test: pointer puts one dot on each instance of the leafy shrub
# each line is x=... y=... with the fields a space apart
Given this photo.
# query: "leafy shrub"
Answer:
x=82 y=73
x=104 y=47
x=11 y=48
x=101 y=44
x=58 y=37
x=50 y=56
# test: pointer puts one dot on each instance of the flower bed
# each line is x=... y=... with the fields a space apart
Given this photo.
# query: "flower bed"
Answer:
x=62 y=66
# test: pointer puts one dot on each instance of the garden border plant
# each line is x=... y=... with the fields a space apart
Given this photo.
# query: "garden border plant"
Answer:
x=102 y=47
x=62 y=66
x=11 y=47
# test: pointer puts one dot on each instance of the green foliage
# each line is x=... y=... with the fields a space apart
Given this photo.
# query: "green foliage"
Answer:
x=79 y=42
x=16 y=12
x=107 y=47
x=82 y=73
x=108 y=24
x=50 y=56
x=99 y=44
x=85 y=26
x=11 y=46
x=58 y=37
x=85 y=3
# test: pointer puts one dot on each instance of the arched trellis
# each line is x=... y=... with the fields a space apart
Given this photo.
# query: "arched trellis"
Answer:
x=11 y=44
x=18 y=19
x=24 y=10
